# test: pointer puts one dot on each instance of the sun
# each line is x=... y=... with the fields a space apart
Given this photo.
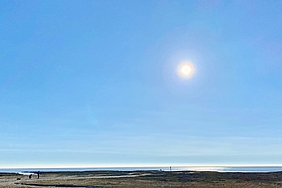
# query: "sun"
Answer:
x=186 y=70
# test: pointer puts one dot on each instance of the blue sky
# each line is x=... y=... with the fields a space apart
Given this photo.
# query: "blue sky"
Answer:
x=96 y=83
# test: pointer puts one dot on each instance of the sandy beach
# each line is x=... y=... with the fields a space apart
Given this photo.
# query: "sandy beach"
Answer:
x=126 y=179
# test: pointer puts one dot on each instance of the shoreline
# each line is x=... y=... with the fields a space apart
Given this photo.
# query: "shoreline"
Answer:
x=246 y=169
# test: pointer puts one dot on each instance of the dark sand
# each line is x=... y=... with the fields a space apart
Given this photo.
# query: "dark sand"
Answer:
x=126 y=179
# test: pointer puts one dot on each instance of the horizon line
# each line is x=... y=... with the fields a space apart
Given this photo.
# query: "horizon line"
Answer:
x=133 y=165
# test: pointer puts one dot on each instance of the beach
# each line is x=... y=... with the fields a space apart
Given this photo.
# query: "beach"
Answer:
x=139 y=179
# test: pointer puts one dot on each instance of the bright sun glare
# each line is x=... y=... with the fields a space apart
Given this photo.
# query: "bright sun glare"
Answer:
x=186 y=70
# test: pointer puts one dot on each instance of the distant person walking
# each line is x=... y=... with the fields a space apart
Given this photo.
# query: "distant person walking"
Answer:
x=38 y=174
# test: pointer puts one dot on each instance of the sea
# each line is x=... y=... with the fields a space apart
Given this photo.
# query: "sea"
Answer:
x=249 y=169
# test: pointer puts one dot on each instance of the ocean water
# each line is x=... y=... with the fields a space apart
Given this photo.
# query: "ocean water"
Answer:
x=165 y=168
x=233 y=168
x=252 y=169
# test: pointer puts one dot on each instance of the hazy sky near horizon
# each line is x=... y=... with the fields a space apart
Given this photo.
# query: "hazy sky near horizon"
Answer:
x=95 y=82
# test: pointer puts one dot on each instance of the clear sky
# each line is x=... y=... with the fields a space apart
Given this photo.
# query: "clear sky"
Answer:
x=96 y=82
